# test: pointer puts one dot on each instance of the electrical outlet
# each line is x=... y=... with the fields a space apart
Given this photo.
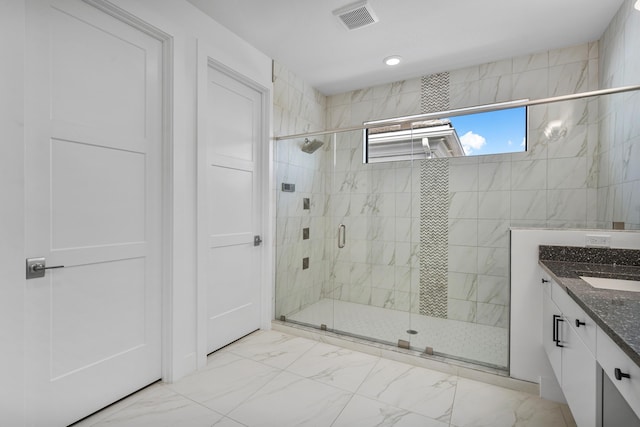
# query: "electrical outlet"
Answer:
x=598 y=241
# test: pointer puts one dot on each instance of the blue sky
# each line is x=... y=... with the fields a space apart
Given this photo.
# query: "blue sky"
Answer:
x=501 y=131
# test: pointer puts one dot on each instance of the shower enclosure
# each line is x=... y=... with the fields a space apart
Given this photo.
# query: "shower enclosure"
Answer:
x=415 y=252
x=349 y=250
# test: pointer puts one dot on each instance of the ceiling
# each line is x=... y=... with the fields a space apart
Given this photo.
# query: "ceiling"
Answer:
x=430 y=35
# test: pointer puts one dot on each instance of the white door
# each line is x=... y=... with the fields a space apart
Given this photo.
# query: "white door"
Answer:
x=92 y=172
x=230 y=126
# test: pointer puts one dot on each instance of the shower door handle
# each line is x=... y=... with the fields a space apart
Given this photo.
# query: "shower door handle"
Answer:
x=342 y=236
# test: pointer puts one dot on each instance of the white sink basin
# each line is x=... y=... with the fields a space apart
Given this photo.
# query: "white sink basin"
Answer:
x=613 y=284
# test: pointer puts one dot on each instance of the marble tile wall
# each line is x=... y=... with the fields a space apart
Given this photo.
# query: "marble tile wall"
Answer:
x=619 y=150
x=584 y=179
x=553 y=184
x=298 y=108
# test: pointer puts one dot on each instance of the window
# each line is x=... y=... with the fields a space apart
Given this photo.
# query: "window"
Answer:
x=486 y=132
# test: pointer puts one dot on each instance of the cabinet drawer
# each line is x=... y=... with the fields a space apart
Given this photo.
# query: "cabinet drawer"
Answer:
x=576 y=317
x=611 y=357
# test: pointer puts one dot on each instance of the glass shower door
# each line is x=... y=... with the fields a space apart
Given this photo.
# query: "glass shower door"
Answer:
x=302 y=277
x=369 y=261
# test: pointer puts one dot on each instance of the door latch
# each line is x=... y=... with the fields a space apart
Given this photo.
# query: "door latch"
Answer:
x=35 y=267
x=257 y=240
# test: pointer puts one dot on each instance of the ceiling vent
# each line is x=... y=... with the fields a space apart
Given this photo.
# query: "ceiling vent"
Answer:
x=356 y=15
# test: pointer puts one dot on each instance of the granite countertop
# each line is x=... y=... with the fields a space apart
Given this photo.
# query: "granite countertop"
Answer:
x=617 y=313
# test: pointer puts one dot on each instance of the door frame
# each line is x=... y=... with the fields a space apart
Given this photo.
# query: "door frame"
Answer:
x=166 y=172
x=203 y=62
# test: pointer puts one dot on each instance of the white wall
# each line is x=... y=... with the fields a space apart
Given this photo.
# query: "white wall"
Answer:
x=186 y=26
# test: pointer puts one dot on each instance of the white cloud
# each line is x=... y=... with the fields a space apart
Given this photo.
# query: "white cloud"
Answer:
x=472 y=141
x=509 y=142
x=524 y=142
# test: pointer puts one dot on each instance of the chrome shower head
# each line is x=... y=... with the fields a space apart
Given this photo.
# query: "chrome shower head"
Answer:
x=311 y=146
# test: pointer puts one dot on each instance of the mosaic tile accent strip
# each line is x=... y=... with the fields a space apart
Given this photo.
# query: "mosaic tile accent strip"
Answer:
x=434 y=237
x=434 y=93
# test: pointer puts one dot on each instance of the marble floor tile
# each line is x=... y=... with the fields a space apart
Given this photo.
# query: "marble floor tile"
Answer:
x=415 y=389
x=324 y=386
x=478 y=404
x=105 y=413
x=161 y=408
x=364 y=412
x=292 y=400
x=335 y=366
x=272 y=348
x=227 y=422
x=227 y=381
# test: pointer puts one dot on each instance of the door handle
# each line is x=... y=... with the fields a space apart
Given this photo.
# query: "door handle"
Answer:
x=342 y=236
x=36 y=267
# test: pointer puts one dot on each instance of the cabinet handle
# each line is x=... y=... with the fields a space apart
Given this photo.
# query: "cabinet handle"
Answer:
x=578 y=323
x=620 y=375
x=545 y=281
x=556 y=334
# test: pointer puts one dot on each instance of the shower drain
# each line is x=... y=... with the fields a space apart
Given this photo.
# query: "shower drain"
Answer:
x=412 y=332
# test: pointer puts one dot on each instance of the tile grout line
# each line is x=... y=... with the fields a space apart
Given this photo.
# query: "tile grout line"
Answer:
x=453 y=402
x=315 y=344
x=342 y=410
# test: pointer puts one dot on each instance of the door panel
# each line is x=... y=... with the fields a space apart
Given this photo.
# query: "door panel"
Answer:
x=79 y=334
x=554 y=353
x=83 y=55
x=107 y=187
x=93 y=202
x=230 y=201
x=229 y=134
x=230 y=125
x=578 y=377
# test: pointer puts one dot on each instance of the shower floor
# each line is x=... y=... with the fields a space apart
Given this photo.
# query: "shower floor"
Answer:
x=471 y=342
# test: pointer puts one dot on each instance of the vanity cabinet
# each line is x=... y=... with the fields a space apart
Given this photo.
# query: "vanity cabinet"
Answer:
x=623 y=373
x=572 y=359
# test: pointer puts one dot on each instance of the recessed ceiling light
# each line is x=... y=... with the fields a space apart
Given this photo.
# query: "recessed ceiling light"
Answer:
x=395 y=59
